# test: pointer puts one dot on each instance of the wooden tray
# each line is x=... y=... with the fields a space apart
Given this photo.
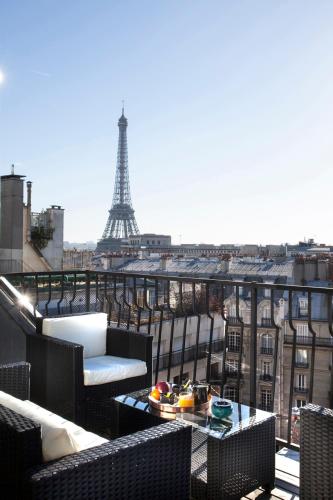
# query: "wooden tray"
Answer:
x=167 y=408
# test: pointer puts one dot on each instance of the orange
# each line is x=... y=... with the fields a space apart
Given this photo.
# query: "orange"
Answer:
x=155 y=393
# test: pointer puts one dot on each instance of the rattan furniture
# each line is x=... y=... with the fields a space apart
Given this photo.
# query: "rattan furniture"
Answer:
x=316 y=453
x=15 y=379
x=230 y=458
x=145 y=465
x=57 y=381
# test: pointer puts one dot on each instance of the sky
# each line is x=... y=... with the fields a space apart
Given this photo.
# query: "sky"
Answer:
x=229 y=107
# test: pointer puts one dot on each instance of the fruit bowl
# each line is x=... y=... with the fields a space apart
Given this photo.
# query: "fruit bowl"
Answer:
x=177 y=399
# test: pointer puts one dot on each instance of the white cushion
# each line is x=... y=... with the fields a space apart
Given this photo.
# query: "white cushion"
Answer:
x=60 y=437
x=88 y=330
x=105 y=369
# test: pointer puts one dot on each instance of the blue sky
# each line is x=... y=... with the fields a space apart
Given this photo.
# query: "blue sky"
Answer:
x=230 y=109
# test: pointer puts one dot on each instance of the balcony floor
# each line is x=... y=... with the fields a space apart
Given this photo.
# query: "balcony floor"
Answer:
x=287 y=478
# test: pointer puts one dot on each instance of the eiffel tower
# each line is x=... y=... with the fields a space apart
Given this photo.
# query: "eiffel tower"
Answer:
x=121 y=222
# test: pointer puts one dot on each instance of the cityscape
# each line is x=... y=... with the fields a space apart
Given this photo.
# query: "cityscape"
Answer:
x=219 y=278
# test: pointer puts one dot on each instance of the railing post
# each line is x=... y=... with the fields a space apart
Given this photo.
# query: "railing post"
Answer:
x=253 y=346
x=87 y=291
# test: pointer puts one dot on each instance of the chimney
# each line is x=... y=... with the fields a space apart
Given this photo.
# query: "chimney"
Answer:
x=28 y=233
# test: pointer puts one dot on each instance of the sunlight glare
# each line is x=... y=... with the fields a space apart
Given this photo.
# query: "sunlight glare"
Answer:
x=2 y=77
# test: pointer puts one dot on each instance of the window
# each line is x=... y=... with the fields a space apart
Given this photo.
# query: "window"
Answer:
x=266 y=317
x=301 y=381
x=302 y=357
x=267 y=293
x=231 y=366
x=266 y=371
x=153 y=242
x=266 y=399
x=214 y=371
x=232 y=311
x=229 y=392
x=266 y=368
x=303 y=306
x=266 y=313
x=266 y=344
x=234 y=341
x=185 y=377
x=159 y=242
x=300 y=403
x=302 y=330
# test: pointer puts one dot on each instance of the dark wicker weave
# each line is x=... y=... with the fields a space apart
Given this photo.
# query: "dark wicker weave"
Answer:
x=14 y=379
x=20 y=445
x=57 y=375
x=146 y=465
x=232 y=467
x=316 y=453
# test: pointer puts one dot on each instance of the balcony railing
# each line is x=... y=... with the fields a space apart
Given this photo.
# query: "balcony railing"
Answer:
x=308 y=340
x=233 y=374
x=266 y=377
x=301 y=364
x=187 y=317
x=267 y=350
x=266 y=322
x=301 y=390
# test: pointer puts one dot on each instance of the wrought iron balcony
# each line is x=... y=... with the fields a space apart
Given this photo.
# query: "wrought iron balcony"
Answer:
x=301 y=364
x=266 y=377
x=308 y=340
x=233 y=374
x=266 y=350
x=187 y=319
x=301 y=390
x=266 y=322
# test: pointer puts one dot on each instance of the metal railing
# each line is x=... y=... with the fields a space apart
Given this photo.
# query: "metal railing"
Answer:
x=188 y=319
x=308 y=340
x=266 y=377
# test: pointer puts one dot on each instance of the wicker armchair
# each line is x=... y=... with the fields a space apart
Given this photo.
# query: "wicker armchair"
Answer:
x=57 y=381
x=15 y=379
x=154 y=463
x=316 y=452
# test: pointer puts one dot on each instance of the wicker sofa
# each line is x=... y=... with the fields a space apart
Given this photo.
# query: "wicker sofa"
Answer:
x=316 y=452
x=150 y=464
x=57 y=374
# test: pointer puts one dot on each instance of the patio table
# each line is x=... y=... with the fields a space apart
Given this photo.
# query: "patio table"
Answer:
x=230 y=457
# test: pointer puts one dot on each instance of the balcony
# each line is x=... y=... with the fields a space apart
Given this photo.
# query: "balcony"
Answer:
x=301 y=364
x=301 y=390
x=266 y=322
x=184 y=315
x=266 y=350
x=266 y=377
x=233 y=320
x=233 y=374
x=308 y=340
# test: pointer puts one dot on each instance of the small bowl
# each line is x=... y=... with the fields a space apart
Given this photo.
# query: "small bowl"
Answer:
x=221 y=408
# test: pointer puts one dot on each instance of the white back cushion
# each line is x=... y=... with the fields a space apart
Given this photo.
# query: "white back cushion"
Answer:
x=88 y=330
x=59 y=436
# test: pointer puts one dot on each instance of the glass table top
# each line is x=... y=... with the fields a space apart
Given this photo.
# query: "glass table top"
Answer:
x=241 y=417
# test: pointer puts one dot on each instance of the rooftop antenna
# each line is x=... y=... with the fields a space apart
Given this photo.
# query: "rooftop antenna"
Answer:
x=123 y=102
x=13 y=169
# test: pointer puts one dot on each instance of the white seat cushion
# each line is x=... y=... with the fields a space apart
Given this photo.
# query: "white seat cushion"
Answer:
x=60 y=437
x=88 y=330
x=105 y=369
